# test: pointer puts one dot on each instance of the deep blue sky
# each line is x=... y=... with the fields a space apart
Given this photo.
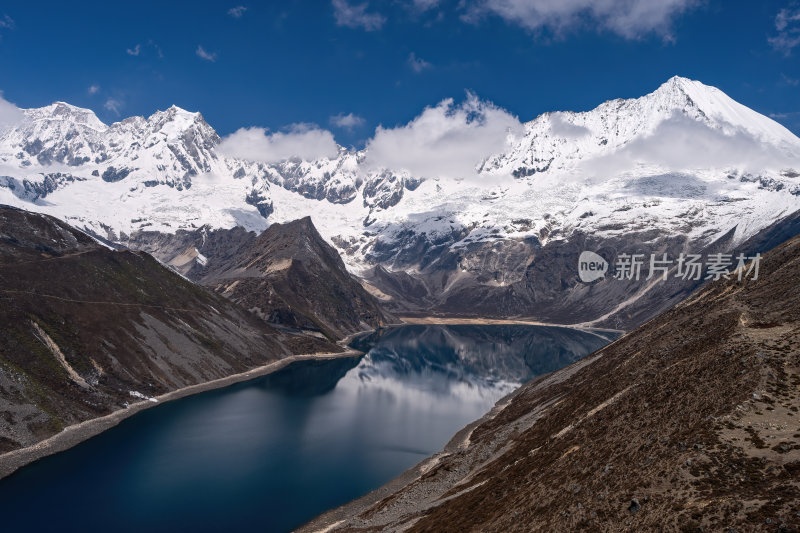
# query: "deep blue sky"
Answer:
x=296 y=61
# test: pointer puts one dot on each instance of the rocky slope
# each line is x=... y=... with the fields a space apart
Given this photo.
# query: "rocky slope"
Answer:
x=88 y=330
x=689 y=423
x=287 y=275
x=290 y=275
x=548 y=287
x=682 y=169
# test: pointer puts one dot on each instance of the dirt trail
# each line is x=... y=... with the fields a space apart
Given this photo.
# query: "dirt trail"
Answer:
x=100 y=302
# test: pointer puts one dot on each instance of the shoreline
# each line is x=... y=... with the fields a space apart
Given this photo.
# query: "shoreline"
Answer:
x=75 y=434
x=332 y=518
x=474 y=321
x=328 y=521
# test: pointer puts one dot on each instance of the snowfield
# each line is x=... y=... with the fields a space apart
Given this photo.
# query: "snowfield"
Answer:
x=685 y=159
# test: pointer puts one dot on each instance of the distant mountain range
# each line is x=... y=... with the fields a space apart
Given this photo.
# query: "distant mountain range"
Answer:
x=683 y=169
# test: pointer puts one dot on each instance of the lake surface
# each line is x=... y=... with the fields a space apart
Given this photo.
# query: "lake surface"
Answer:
x=272 y=453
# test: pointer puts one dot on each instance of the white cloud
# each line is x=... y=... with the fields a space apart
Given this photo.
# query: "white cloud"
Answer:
x=139 y=49
x=6 y=23
x=113 y=105
x=682 y=143
x=629 y=18
x=10 y=114
x=356 y=16
x=563 y=128
x=348 y=121
x=93 y=89
x=424 y=5
x=202 y=54
x=237 y=12
x=790 y=81
x=789 y=119
x=787 y=23
x=447 y=140
x=784 y=115
x=786 y=17
x=304 y=141
x=417 y=64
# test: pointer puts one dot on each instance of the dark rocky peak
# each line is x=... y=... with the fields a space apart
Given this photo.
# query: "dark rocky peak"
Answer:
x=302 y=228
x=290 y=275
x=296 y=240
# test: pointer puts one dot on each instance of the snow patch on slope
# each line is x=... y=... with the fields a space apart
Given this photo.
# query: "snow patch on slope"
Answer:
x=685 y=159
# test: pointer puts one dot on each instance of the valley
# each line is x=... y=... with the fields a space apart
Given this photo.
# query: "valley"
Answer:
x=687 y=423
x=192 y=336
x=90 y=331
x=275 y=450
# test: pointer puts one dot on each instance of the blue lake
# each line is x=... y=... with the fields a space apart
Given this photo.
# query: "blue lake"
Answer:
x=272 y=453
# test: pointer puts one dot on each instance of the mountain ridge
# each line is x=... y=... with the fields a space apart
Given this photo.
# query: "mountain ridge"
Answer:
x=88 y=330
x=176 y=148
x=684 y=167
x=290 y=275
x=287 y=275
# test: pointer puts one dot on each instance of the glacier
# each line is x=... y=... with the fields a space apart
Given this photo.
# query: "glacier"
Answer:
x=685 y=159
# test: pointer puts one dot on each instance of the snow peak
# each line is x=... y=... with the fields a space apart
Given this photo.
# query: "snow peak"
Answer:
x=693 y=267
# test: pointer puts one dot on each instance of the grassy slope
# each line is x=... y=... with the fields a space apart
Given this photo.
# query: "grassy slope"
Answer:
x=122 y=322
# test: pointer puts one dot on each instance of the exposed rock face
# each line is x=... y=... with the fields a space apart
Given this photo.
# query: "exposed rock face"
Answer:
x=87 y=330
x=503 y=278
x=527 y=279
x=287 y=275
x=688 y=423
x=290 y=275
x=194 y=253
x=31 y=191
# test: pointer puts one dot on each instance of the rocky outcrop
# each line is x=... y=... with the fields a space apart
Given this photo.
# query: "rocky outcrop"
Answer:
x=523 y=278
x=289 y=275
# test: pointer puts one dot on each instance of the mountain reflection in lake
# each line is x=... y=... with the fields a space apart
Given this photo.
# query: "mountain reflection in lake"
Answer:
x=272 y=453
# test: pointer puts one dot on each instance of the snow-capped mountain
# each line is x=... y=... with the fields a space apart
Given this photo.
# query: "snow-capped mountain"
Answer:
x=562 y=141
x=168 y=148
x=685 y=161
